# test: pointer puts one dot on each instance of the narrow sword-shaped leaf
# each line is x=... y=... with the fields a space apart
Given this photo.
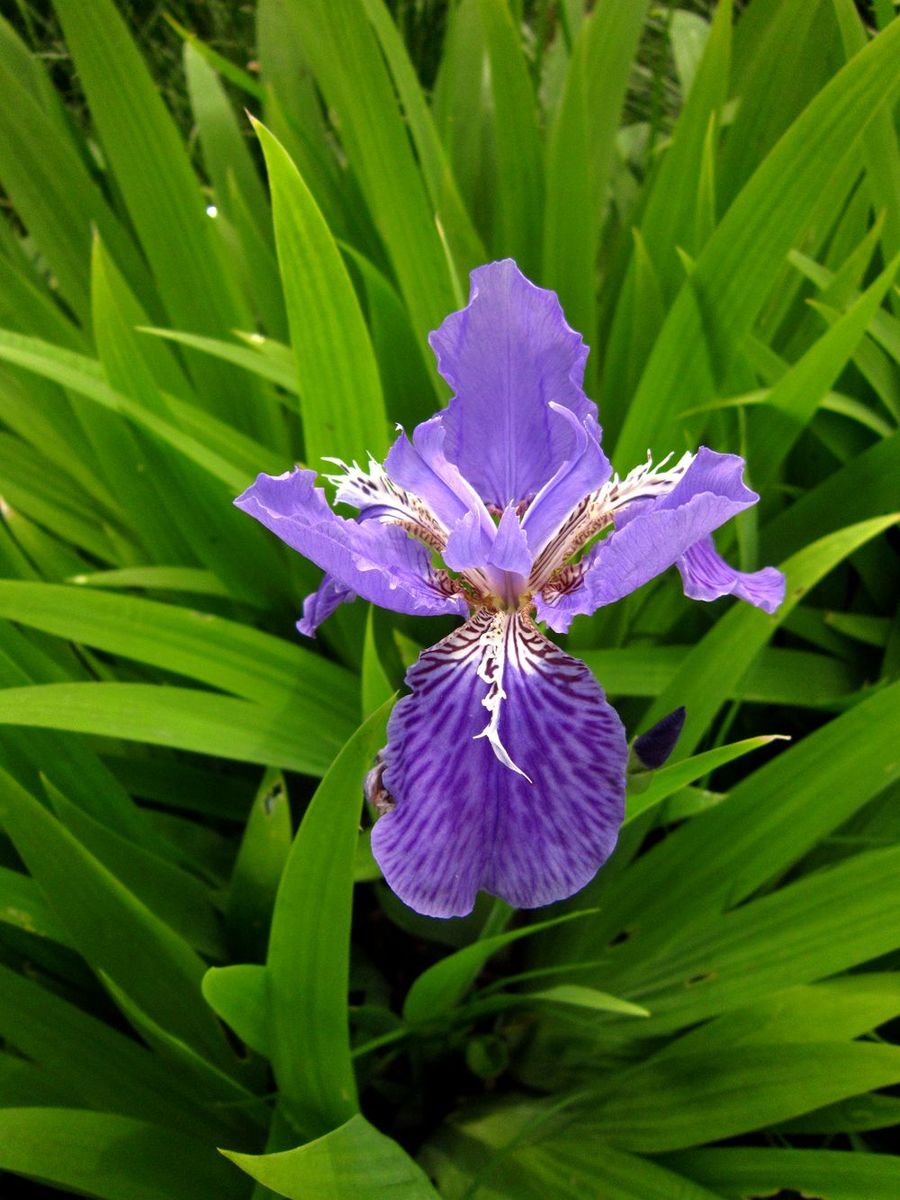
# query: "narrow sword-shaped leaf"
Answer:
x=725 y=653
x=843 y=1175
x=352 y=1162
x=309 y=945
x=222 y=653
x=340 y=390
x=182 y=718
x=737 y=268
x=110 y=1157
x=111 y=928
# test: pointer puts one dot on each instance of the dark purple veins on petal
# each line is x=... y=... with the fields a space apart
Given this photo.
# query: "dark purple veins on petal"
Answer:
x=462 y=820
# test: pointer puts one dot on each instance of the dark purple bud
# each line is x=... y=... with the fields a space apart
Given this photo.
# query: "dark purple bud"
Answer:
x=652 y=748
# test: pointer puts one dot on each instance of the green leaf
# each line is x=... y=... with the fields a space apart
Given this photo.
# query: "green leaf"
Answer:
x=176 y=897
x=527 y=1151
x=266 y=366
x=192 y=643
x=579 y=154
x=438 y=988
x=771 y=88
x=352 y=1162
x=239 y=994
x=719 y=660
x=23 y=905
x=863 y=488
x=823 y=924
x=519 y=179
x=192 y=580
x=104 y=1068
x=224 y=148
x=308 y=961
x=79 y=374
x=668 y=780
x=793 y=400
x=684 y=1100
x=33 y=484
x=837 y=1174
x=227 y=69
x=882 y=178
x=376 y=687
x=48 y=181
x=111 y=927
x=729 y=852
x=577 y=996
x=795 y=678
x=339 y=385
x=465 y=246
x=240 y=197
x=264 y=849
x=737 y=267
x=153 y=172
x=668 y=221
x=111 y=1157
x=856 y=1115
x=183 y=718
x=346 y=60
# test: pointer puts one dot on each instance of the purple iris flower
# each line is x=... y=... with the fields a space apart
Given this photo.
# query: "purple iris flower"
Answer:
x=505 y=765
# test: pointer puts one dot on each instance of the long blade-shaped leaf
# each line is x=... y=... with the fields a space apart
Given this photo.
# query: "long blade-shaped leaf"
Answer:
x=309 y=946
x=340 y=389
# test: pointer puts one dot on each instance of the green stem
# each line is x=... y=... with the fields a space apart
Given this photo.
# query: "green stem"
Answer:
x=497 y=919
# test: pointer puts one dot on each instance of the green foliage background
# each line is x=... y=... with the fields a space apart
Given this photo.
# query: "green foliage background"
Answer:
x=195 y=948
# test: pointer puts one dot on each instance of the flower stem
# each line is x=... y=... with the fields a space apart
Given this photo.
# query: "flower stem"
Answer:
x=497 y=919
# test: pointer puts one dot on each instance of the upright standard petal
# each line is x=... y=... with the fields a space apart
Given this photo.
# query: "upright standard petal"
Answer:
x=422 y=467
x=706 y=576
x=556 y=506
x=379 y=562
x=507 y=355
x=527 y=807
x=651 y=534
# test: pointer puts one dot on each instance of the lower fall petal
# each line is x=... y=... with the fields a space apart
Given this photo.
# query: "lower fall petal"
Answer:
x=504 y=771
x=707 y=576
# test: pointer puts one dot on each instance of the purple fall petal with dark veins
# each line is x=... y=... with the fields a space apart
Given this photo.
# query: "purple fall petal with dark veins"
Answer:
x=706 y=576
x=506 y=355
x=652 y=535
x=378 y=562
x=320 y=604
x=532 y=833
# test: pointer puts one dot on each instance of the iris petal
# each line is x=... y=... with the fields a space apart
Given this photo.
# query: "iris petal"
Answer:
x=320 y=604
x=461 y=820
x=379 y=562
x=585 y=470
x=706 y=576
x=650 y=536
x=510 y=551
x=506 y=355
x=422 y=466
